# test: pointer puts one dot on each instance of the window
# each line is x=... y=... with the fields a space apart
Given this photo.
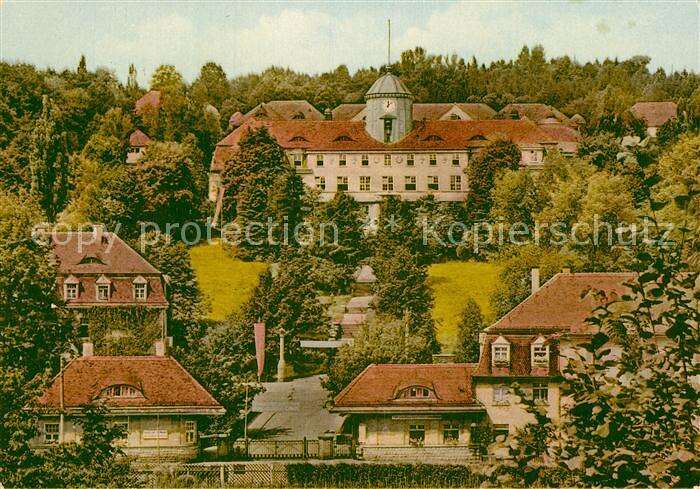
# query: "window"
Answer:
x=540 y=393
x=455 y=182
x=387 y=160
x=419 y=392
x=416 y=434
x=455 y=117
x=71 y=291
x=455 y=160
x=501 y=394
x=500 y=430
x=433 y=182
x=540 y=353
x=190 y=431
x=450 y=433
x=343 y=160
x=319 y=160
x=140 y=292
x=121 y=391
x=102 y=292
x=365 y=160
x=433 y=160
x=364 y=184
x=387 y=184
x=321 y=183
x=500 y=351
x=410 y=160
x=51 y=432
x=298 y=160
x=410 y=182
x=343 y=183
x=388 y=123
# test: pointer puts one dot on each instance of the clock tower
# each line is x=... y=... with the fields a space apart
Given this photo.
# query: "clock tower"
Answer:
x=389 y=112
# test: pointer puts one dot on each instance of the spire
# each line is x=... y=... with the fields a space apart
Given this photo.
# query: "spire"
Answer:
x=388 y=44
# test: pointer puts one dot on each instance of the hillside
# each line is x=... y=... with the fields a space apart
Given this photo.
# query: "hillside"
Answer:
x=225 y=281
x=452 y=283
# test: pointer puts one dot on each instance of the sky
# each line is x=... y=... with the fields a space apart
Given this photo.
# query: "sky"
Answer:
x=314 y=36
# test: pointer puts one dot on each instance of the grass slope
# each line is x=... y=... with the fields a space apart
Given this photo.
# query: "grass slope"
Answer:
x=225 y=282
x=452 y=283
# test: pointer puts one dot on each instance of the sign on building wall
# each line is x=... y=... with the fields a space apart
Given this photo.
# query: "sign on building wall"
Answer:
x=155 y=434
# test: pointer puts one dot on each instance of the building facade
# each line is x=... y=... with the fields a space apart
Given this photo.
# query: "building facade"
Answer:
x=153 y=398
x=97 y=270
x=528 y=347
x=388 y=146
x=421 y=412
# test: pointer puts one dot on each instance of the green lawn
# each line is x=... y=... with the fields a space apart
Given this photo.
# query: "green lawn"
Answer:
x=452 y=283
x=225 y=282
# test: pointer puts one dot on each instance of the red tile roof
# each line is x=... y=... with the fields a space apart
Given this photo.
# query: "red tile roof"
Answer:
x=379 y=386
x=654 y=114
x=532 y=111
x=150 y=98
x=520 y=359
x=430 y=112
x=284 y=110
x=563 y=303
x=87 y=253
x=138 y=139
x=351 y=136
x=166 y=386
x=567 y=138
x=345 y=112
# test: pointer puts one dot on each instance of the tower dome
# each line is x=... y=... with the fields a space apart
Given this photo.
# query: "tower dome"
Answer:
x=389 y=109
x=388 y=85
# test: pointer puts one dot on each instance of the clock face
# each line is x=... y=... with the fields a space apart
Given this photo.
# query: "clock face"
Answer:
x=389 y=106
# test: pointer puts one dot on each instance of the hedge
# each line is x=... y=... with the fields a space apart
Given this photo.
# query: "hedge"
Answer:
x=381 y=475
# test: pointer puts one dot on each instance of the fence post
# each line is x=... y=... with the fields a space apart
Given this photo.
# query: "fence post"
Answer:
x=306 y=449
x=247 y=448
x=222 y=477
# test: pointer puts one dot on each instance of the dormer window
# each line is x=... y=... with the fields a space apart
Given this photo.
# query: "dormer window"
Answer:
x=299 y=139
x=418 y=392
x=433 y=137
x=500 y=351
x=343 y=138
x=71 y=288
x=140 y=289
x=539 y=353
x=122 y=391
x=103 y=287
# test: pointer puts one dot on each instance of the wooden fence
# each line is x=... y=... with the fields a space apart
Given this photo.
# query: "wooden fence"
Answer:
x=217 y=475
x=293 y=449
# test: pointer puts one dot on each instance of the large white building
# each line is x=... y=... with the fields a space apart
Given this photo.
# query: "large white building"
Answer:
x=381 y=148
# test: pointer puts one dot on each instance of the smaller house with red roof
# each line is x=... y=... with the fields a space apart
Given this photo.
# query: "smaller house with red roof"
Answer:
x=98 y=270
x=154 y=399
x=416 y=411
x=148 y=103
x=529 y=346
x=654 y=114
x=138 y=140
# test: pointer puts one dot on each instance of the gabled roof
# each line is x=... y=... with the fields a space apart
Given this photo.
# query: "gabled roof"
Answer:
x=655 y=114
x=377 y=387
x=284 y=110
x=364 y=275
x=532 y=111
x=563 y=303
x=113 y=255
x=430 y=112
x=164 y=383
x=150 y=98
x=345 y=112
x=138 y=139
x=361 y=302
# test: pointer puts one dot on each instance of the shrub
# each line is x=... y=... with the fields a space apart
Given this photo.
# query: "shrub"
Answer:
x=381 y=475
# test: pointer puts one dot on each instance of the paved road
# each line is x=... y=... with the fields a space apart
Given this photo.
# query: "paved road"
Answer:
x=293 y=410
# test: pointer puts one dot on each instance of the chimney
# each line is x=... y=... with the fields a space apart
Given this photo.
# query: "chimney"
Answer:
x=87 y=349
x=566 y=270
x=160 y=348
x=535 y=279
x=327 y=114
